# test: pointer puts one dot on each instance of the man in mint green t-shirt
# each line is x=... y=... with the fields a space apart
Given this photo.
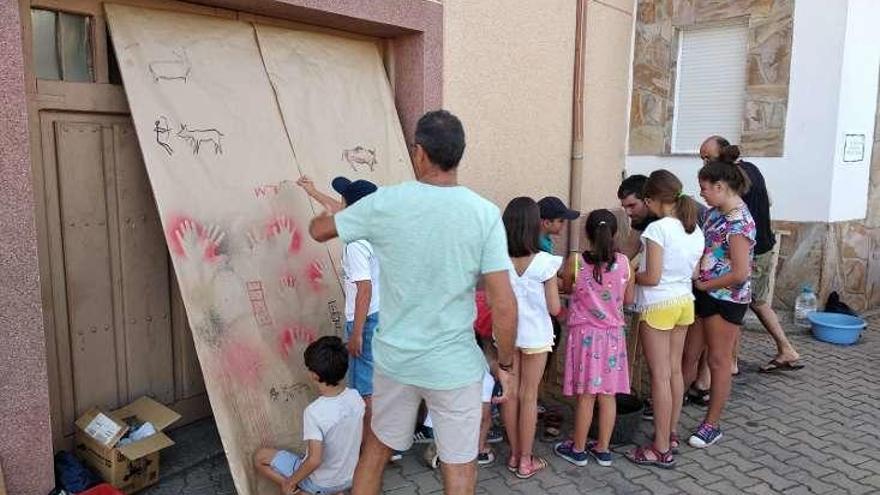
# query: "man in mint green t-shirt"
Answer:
x=435 y=240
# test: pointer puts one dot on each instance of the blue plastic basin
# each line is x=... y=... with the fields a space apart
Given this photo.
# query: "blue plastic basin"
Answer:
x=836 y=328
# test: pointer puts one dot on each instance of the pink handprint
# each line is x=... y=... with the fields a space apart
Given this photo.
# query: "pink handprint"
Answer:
x=190 y=240
x=316 y=272
x=284 y=229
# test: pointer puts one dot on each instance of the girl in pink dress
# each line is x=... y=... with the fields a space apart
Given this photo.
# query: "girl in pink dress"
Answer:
x=595 y=359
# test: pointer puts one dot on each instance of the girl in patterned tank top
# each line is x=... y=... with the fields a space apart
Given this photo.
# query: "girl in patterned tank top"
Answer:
x=722 y=290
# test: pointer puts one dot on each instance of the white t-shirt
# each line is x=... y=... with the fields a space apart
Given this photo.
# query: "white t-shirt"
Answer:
x=681 y=253
x=359 y=263
x=338 y=423
x=534 y=328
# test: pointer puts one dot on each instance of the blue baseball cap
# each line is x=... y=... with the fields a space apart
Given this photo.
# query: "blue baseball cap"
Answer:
x=353 y=191
x=553 y=208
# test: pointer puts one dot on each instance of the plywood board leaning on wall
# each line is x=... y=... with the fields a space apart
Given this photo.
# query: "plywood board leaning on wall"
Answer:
x=337 y=106
x=222 y=166
x=336 y=100
x=209 y=130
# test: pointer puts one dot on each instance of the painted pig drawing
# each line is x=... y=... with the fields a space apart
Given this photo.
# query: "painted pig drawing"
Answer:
x=360 y=156
x=169 y=70
x=195 y=138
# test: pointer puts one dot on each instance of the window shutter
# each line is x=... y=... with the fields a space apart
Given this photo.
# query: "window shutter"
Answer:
x=710 y=86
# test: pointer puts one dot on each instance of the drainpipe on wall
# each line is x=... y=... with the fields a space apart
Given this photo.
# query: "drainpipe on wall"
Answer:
x=577 y=124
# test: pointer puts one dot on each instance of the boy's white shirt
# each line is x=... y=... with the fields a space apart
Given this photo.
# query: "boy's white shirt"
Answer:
x=359 y=263
x=337 y=422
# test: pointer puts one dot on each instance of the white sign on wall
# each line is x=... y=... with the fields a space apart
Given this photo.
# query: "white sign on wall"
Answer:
x=854 y=148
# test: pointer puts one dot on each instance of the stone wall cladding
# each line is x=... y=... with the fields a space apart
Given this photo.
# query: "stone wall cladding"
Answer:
x=873 y=218
x=841 y=256
x=769 y=58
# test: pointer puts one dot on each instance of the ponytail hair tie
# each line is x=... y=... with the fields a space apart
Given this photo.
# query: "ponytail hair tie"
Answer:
x=680 y=195
x=602 y=223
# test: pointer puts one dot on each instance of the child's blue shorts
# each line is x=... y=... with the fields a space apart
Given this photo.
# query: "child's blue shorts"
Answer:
x=360 y=369
x=286 y=463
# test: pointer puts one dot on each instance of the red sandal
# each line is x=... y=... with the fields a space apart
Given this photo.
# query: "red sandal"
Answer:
x=640 y=456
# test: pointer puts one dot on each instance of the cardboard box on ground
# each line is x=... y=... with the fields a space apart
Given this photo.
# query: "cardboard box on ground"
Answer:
x=127 y=466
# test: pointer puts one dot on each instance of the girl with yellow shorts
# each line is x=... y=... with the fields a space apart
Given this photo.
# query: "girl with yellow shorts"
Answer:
x=671 y=248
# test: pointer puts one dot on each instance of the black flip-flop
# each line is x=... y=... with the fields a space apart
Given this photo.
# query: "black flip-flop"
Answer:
x=776 y=365
x=698 y=397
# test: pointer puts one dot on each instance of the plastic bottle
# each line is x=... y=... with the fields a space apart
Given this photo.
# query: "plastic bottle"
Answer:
x=805 y=304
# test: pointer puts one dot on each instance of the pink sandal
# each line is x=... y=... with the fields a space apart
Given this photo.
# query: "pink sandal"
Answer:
x=512 y=464
x=640 y=456
x=535 y=466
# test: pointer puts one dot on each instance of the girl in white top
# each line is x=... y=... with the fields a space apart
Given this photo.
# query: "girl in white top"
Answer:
x=671 y=249
x=533 y=278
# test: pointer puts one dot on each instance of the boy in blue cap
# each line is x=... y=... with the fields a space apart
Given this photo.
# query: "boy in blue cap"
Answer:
x=360 y=268
x=554 y=217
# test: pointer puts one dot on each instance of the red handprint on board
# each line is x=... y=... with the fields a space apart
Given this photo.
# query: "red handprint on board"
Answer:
x=316 y=273
x=293 y=334
x=276 y=244
x=191 y=240
x=286 y=231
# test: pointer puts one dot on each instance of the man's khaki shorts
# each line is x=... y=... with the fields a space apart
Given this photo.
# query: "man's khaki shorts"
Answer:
x=761 y=278
x=456 y=415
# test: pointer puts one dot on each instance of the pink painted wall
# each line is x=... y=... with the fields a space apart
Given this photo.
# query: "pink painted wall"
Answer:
x=415 y=30
x=25 y=434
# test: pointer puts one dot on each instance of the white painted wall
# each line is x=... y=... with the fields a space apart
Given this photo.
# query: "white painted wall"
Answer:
x=827 y=93
x=858 y=102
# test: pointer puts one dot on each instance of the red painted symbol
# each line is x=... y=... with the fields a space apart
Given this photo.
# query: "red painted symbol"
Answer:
x=288 y=280
x=266 y=190
x=293 y=334
x=258 y=303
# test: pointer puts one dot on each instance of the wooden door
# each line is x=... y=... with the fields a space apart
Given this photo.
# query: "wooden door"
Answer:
x=119 y=327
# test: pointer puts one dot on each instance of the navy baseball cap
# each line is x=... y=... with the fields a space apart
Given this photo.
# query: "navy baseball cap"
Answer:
x=353 y=191
x=553 y=208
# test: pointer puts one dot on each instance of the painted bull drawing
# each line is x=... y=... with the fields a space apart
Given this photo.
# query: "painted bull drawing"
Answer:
x=195 y=138
x=360 y=156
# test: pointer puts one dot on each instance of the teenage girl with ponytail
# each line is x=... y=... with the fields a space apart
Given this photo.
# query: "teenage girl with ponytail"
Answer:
x=533 y=278
x=671 y=249
x=722 y=288
x=596 y=365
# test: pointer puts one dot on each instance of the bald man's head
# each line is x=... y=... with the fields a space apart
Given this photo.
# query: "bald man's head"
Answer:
x=711 y=148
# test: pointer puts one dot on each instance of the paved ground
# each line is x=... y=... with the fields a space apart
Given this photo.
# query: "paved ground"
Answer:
x=813 y=431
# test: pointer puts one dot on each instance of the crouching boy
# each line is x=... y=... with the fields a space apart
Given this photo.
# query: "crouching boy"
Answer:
x=332 y=427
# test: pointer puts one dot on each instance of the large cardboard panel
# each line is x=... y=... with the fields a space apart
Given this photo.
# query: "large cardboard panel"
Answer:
x=338 y=108
x=228 y=116
x=255 y=287
x=337 y=105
